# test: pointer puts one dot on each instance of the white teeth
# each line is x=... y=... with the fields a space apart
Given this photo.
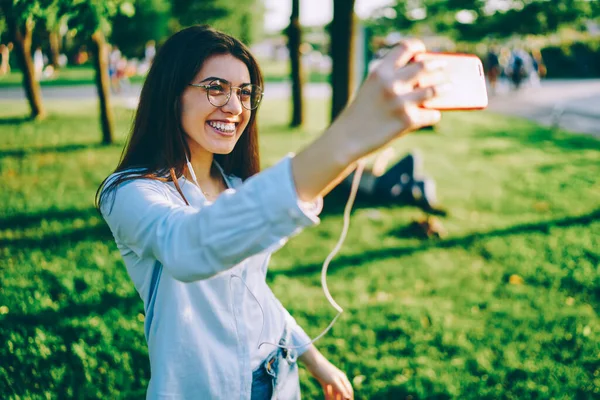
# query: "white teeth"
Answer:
x=224 y=127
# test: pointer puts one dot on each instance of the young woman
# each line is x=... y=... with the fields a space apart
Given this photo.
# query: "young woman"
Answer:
x=196 y=222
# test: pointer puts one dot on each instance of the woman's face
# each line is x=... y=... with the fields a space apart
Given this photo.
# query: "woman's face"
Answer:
x=210 y=128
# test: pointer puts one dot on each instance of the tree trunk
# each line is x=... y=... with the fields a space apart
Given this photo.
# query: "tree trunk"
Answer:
x=342 y=45
x=22 y=38
x=99 y=52
x=294 y=40
x=53 y=38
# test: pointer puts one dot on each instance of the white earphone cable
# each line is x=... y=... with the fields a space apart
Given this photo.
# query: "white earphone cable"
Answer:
x=346 y=225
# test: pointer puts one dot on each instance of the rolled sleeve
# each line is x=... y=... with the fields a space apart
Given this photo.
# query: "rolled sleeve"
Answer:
x=300 y=339
x=281 y=186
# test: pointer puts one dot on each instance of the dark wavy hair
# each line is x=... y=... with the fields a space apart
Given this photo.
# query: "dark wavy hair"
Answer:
x=156 y=147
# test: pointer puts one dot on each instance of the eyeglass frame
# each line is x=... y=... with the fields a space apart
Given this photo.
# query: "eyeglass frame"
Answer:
x=231 y=87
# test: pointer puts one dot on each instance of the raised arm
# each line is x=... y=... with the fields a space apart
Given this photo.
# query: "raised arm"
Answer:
x=194 y=244
x=385 y=107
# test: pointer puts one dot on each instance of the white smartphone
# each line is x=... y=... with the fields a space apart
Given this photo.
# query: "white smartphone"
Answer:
x=467 y=82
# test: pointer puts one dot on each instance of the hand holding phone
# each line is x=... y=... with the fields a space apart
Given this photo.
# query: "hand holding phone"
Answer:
x=467 y=89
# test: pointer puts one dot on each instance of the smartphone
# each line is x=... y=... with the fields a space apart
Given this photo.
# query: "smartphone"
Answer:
x=467 y=89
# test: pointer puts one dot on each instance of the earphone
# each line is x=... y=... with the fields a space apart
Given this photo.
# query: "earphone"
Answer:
x=346 y=225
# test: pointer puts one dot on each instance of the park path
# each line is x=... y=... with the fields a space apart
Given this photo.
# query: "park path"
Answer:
x=571 y=104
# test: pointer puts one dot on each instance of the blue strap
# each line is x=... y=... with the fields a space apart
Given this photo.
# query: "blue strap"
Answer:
x=156 y=273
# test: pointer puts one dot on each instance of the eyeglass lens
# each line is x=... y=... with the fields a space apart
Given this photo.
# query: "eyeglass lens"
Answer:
x=219 y=93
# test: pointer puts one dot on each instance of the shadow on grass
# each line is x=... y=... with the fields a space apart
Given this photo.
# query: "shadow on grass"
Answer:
x=66 y=148
x=462 y=242
x=49 y=318
x=90 y=233
x=23 y=221
x=541 y=137
x=15 y=120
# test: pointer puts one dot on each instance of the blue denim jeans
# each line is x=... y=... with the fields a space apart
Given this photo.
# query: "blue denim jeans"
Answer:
x=277 y=375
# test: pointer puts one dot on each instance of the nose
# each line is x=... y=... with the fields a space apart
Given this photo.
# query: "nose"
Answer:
x=234 y=105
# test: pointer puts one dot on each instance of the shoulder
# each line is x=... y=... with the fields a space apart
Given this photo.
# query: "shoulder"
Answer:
x=132 y=178
x=130 y=186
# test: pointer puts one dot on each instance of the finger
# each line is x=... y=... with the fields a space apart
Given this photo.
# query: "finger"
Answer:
x=346 y=390
x=348 y=387
x=404 y=51
x=415 y=71
x=426 y=117
x=338 y=396
x=414 y=117
x=329 y=392
x=435 y=78
x=420 y=95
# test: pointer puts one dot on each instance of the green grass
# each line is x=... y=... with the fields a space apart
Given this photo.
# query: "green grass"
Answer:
x=69 y=76
x=423 y=318
x=273 y=71
x=279 y=71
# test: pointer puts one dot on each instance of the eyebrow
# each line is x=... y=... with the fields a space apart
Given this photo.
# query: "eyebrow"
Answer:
x=213 y=78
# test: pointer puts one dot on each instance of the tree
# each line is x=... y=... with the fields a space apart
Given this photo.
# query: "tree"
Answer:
x=20 y=17
x=91 y=19
x=342 y=31
x=294 y=33
x=242 y=18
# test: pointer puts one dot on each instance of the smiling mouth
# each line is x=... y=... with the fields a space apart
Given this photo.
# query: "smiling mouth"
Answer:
x=226 y=128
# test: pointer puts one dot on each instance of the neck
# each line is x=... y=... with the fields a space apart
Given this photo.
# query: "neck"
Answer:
x=202 y=163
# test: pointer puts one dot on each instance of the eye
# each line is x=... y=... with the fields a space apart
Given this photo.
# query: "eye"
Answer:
x=246 y=92
x=216 y=88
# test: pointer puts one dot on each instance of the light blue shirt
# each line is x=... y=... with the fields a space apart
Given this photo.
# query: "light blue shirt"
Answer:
x=202 y=324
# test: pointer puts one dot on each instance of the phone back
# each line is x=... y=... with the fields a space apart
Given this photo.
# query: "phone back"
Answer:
x=467 y=79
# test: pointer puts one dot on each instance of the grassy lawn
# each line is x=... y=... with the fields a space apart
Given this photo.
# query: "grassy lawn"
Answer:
x=274 y=71
x=506 y=306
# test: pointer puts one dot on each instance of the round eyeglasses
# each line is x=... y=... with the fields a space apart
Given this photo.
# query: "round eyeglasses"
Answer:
x=219 y=91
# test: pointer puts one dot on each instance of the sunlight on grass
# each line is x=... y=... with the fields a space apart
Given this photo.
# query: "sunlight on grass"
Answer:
x=504 y=307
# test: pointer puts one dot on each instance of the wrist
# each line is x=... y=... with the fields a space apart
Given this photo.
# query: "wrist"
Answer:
x=344 y=148
x=311 y=358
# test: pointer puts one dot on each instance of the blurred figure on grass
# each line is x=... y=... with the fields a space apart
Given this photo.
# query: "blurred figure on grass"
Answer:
x=403 y=184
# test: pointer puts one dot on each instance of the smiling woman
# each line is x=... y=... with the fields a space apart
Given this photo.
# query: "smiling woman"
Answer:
x=212 y=118
x=196 y=222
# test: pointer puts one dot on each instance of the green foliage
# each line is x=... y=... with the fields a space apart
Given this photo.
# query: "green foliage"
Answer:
x=88 y=16
x=149 y=22
x=242 y=19
x=578 y=59
x=504 y=307
x=536 y=17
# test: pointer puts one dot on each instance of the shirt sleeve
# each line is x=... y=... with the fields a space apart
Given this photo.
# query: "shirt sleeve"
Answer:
x=194 y=244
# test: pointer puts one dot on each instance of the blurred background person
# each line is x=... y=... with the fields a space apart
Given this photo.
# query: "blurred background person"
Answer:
x=493 y=69
x=150 y=52
x=114 y=59
x=5 y=57
x=38 y=63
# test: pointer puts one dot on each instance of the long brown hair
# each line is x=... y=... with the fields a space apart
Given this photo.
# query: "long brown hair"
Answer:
x=156 y=147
